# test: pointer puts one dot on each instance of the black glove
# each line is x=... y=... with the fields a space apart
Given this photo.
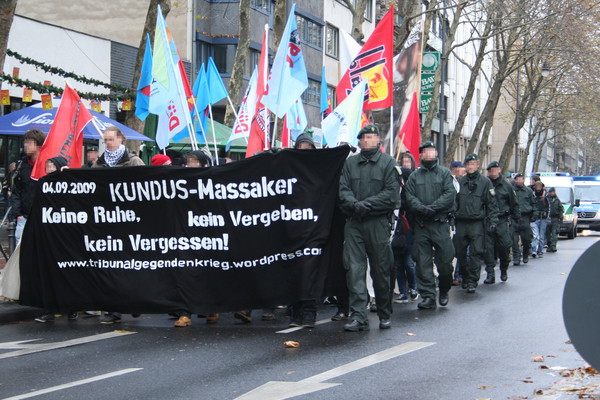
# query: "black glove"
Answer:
x=425 y=211
x=492 y=228
x=362 y=208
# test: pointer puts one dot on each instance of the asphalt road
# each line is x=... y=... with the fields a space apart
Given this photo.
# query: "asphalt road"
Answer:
x=479 y=347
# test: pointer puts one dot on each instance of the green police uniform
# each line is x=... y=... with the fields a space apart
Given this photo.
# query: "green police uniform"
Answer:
x=369 y=192
x=430 y=186
x=522 y=230
x=498 y=244
x=476 y=208
x=556 y=215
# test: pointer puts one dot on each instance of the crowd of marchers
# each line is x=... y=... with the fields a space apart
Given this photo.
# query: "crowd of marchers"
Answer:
x=418 y=229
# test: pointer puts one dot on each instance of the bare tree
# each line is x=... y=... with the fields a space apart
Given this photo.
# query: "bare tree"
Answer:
x=7 y=12
x=237 y=75
x=357 y=9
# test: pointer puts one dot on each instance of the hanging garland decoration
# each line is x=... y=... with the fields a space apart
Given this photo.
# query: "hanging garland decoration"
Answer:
x=40 y=88
x=66 y=74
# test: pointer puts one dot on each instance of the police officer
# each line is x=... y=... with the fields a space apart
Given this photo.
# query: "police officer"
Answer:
x=430 y=195
x=369 y=193
x=522 y=229
x=476 y=210
x=498 y=244
x=556 y=216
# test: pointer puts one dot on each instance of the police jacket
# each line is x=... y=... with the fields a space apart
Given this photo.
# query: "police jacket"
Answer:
x=374 y=180
x=506 y=199
x=525 y=199
x=431 y=185
x=556 y=207
x=23 y=189
x=475 y=200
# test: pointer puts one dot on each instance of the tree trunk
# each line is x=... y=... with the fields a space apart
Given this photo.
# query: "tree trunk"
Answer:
x=7 y=12
x=483 y=147
x=426 y=132
x=454 y=136
x=279 y=19
x=237 y=75
x=407 y=9
x=149 y=27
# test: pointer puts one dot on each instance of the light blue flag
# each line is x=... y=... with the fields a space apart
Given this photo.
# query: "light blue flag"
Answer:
x=288 y=79
x=201 y=94
x=216 y=87
x=296 y=119
x=142 y=99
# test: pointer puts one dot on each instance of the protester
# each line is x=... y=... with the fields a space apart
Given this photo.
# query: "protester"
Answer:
x=498 y=243
x=115 y=155
x=7 y=184
x=406 y=160
x=161 y=159
x=23 y=185
x=556 y=216
x=476 y=211
x=430 y=198
x=522 y=229
x=369 y=193
x=538 y=226
x=458 y=171
x=53 y=166
x=402 y=243
x=91 y=156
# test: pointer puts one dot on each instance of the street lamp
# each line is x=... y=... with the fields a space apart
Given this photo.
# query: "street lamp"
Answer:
x=545 y=69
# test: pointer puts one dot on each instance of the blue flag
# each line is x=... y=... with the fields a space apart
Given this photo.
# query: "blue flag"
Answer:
x=288 y=78
x=142 y=99
x=201 y=96
x=216 y=87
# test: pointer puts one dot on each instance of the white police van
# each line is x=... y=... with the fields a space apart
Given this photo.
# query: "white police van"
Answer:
x=587 y=190
x=565 y=191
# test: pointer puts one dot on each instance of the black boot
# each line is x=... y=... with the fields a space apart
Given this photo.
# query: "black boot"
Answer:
x=503 y=275
x=309 y=318
x=490 y=279
x=427 y=303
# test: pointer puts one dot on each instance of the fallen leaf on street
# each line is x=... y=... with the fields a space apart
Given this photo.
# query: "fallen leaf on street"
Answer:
x=526 y=381
x=537 y=358
x=290 y=372
x=484 y=387
x=568 y=342
x=544 y=367
x=410 y=334
x=291 y=343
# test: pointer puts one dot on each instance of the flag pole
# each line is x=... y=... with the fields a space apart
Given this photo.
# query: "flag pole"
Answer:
x=274 y=135
x=195 y=139
x=401 y=143
x=233 y=109
x=212 y=124
x=392 y=130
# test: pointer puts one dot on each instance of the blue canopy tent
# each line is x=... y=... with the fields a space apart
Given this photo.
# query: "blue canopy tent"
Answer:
x=35 y=117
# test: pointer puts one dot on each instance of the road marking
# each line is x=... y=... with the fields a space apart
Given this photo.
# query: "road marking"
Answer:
x=297 y=328
x=72 y=384
x=29 y=348
x=276 y=390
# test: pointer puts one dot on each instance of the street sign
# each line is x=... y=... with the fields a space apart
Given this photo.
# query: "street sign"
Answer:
x=431 y=61
x=427 y=80
x=425 y=102
x=429 y=66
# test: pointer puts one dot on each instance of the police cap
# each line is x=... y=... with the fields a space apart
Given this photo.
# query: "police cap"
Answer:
x=493 y=164
x=368 y=129
x=425 y=145
x=551 y=190
x=471 y=157
x=518 y=175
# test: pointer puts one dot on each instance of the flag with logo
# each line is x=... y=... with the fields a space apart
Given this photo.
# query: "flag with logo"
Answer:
x=296 y=119
x=343 y=124
x=166 y=95
x=241 y=127
x=143 y=90
x=65 y=137
x=259 y=128
x=373 y=64
x=288 y=79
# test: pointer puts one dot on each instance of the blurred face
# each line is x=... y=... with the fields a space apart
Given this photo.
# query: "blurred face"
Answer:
x=472 y=166
x=552 y=194
x=91 y=156
x=429 y=154
x=494 y=173
x=50 y=167
x=368 y=141
x=538 y=185
x=406 y=162
x=112 y=141
x=458 y=172
x=520 y=181
x=305 y=146
x=30 y=147
x=193 y=162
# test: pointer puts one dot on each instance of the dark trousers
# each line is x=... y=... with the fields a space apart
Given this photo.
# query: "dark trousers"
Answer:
x=433 y=236
x=469 y=233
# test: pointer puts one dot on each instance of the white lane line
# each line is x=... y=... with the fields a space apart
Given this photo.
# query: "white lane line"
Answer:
x=28 y=348
x=72 y=384
x=297 y=328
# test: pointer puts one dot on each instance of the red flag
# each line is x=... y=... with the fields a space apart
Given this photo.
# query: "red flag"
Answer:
x=259 y=129
x=374 y=64
x=285 y=133
x=66 y=133
x=410 y=133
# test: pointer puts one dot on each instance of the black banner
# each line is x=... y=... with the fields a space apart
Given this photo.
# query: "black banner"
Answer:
x=250 y=234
